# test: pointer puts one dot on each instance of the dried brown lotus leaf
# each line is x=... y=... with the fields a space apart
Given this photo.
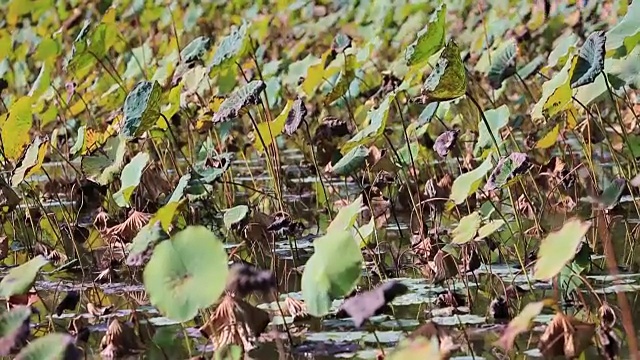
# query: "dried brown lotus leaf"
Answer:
x=566 y=336
x=235 y=322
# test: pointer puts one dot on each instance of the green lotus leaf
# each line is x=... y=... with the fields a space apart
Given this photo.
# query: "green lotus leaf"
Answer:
x=186 y=273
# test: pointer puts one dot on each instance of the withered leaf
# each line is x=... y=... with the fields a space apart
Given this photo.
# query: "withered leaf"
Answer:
x=235 y=322
x=566 y=336
x=362 y=306
x=296 y=308
x=508 y=167
x=295 y=117
x=69 y=302
x=245 y=278
x=449 y=298
x=499 y=309
x=242 y=97
x=445 y=141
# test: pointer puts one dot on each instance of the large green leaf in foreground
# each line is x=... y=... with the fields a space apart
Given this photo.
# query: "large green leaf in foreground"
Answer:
x=13 y=329
x=331 y=272
x=559 y=247
x=186 y=273
x=20 y=279
x=51 y=347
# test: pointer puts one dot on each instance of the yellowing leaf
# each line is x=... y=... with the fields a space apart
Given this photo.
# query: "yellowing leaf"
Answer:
x=15 y=127
x=31 y=160
x=315 y=75
x=561 y=96
x=270 y=130
x=549 y=139
x=559 y=247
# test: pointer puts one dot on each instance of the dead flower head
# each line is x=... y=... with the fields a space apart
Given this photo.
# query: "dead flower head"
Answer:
x=128 y=229
x=235 y=322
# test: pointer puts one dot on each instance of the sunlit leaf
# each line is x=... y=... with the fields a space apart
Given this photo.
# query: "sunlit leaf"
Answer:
x=627 y=32
x=346 y=217
x=521 y=323
x=468 y=183
x=549 y=139
x=242 y=97
x=549 y=87
x=448 y=80
x=332 y=271
x=130 y=178
x=467 y=228
x=196 y=49
x=20 y=279
x=167 y=212
x=31 y=161
x=141 y=108
x=559 y=247
x=341 y=85
x=269 y=131
x=489 y=228
x=429 y=40
x=15 y=126
x=186 y=273
x=377 y=119
x=590 y=61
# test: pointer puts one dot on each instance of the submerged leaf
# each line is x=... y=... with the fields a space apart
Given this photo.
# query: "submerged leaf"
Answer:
x=332 y=271
x=448 y=80
x=559 y=247
x=141 y=108
x=590 y=60
x=232 y=106
x=365 y=305
x=186 y=273
x=429 y=40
